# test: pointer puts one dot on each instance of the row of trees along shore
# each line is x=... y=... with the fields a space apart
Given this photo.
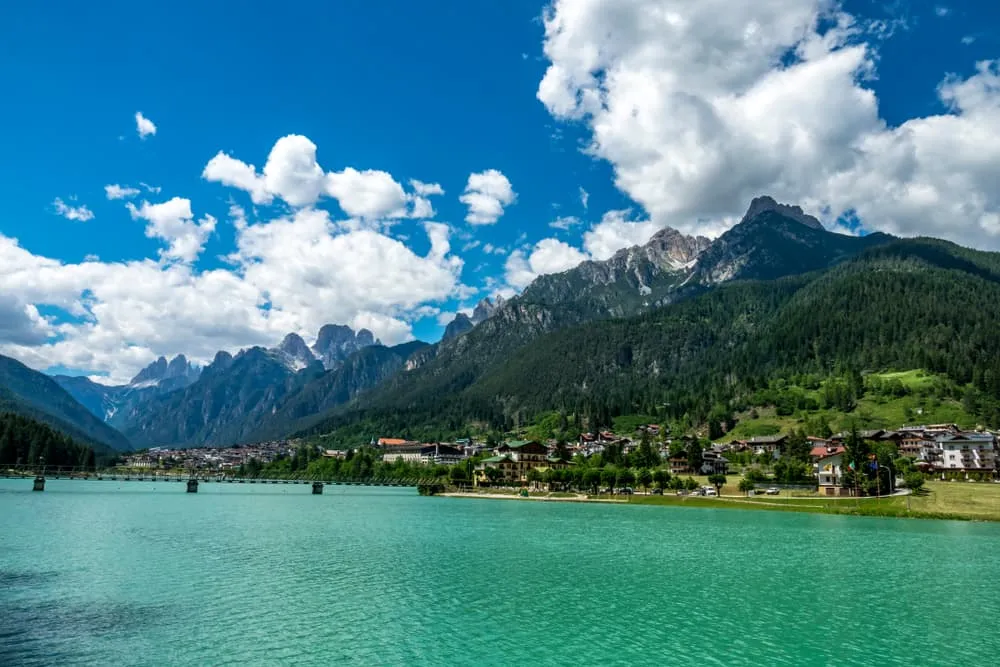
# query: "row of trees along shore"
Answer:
x=365 y=463
x=869 y=467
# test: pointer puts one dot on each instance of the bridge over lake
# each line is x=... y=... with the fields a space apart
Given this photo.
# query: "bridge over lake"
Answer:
x=192 y=479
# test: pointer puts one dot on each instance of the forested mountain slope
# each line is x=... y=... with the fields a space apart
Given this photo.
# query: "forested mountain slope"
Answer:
x=771 y=241
x=27 y=441
x=907 y=304
x=36 y=395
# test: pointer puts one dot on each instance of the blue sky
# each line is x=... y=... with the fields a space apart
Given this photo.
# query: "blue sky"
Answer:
x=421 y=91
x=663 y=112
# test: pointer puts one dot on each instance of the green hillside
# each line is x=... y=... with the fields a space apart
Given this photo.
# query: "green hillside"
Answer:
x=889 y=400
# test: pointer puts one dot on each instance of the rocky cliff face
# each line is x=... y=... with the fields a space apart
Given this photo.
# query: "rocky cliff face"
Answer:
x=336 y=342
x=212 y=409
x=774 y=240
x=458 y=326
x=486 y=308
x=177 y=373
x=767 y=204
x=361 y=371
x=177 y=402
x=294 y=352
x=632 y=280
x=111 y=403
x=257 y=395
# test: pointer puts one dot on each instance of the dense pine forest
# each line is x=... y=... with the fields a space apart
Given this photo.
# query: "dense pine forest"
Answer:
x=909 y=304
x=24 y=440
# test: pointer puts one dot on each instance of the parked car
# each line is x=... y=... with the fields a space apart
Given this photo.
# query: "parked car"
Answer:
x=625 y=491
x=711 y=492
x=657 y=492
x=773 y=491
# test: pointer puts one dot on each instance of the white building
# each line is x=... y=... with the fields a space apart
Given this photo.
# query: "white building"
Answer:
x=830 y=472
x=439 y=454
x=968 y=452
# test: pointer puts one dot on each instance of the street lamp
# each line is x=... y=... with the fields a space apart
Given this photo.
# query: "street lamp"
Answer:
x=888 y=470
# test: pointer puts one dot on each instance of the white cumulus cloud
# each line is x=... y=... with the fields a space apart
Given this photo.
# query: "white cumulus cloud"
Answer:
x=144 y=126
x=547 y=256
x=369 y=194
x=231 y=172
x=76 y=213
x=426 y=189
x=116 y=191
x=700 y=105
x=486 y=194
x=173 y=222
x=616 y=231
x=293 y=174
x=291 y=273
x=20 y=323
x=565 y=222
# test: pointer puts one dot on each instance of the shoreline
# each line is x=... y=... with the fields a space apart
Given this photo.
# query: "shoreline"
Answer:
x=889 y=507
x=578 y=498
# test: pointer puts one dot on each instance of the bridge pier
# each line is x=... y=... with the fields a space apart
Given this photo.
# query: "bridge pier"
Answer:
x=317 y=488
x=39 y=484
x=192 y=486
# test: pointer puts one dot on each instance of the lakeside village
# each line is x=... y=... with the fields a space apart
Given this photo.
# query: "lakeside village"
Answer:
x=859 y=463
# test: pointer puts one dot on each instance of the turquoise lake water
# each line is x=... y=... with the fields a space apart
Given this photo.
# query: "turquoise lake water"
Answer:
x=129 y=573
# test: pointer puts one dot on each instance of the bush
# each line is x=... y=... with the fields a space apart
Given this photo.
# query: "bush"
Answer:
x=914 y=481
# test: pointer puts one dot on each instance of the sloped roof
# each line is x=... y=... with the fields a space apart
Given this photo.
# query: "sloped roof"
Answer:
x=822 y=452
x=767 y=439
x=518 y=444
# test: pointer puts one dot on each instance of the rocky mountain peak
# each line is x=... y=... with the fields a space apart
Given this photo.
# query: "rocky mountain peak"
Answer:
x=151 y=373
x=181 y=368
x=669 y=247
x=178 y=371
x=336 y=342
x=486 y=308
x=766 y=204
x=364 y=338
x=222 y=359
x=294 y=352
x=458 y=326
x=332 y=335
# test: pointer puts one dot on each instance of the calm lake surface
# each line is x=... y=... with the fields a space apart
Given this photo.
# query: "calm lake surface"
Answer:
x=133 y=573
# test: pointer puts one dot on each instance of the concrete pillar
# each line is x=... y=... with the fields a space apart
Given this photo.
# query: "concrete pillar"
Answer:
x=192 y=486
x=39 y=484
x=317 y=488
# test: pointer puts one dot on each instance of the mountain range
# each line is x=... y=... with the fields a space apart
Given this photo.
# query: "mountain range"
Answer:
x=681 y=320
x=177 y=402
